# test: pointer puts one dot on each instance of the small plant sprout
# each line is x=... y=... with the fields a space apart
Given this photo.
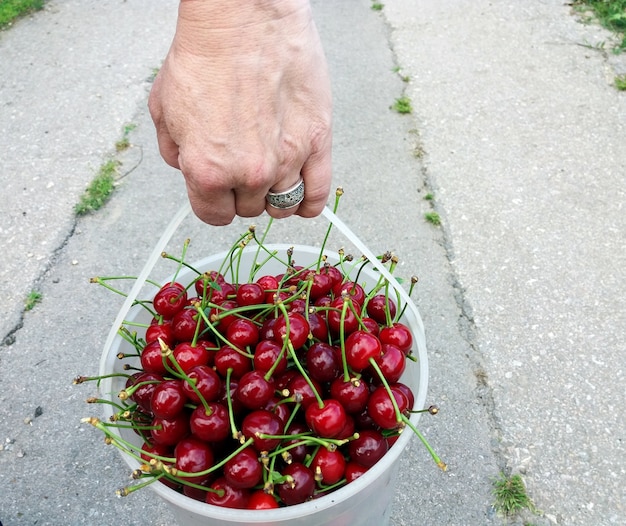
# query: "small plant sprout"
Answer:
x=620 y=82
x=403 y=105
x=377 y=6
x=99 y=190
x=124 y=142
x=32 y=299
x=433 y=218
x=510 y=495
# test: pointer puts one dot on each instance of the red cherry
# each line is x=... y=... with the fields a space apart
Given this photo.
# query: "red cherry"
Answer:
x=193 y=456
x=266 y=354
x=399 y=335
x=326 y=421
x=330 y=465
x=391 y=362
x=323 y=362
x=212 y=426
x=228 y=358
x=189 y=356
x=142 y=395
x=333 y=272
x=378 y=306
x=407 y=391
x=321 y=286
x=298 y=329
x=250 y=294
x=259 y=500
x=220 y=315
x=350 y=321
x=262 y=422
x=185 y=324
x=371 y=325
x=226 y=495
x=352 y=290
x=352 y=395
x=244 y=469
x=242 y=333
x=170 y=299
x=318 y=326
x=269 y=284
x=149 y=451
x=354 y=470
x=206 y=381
x=254 y=390
x=299 y=486
x=168 y=399
x=152 y=359
x=160 y=331
x=169 y=432
x=368 y=448
x=381 y=409
x=360 y=347
x=300 y=388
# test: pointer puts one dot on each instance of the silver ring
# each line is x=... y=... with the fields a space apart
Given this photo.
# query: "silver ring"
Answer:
x=287 y=199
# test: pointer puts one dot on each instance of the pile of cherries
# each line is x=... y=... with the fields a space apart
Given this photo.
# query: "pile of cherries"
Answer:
x=265 y=393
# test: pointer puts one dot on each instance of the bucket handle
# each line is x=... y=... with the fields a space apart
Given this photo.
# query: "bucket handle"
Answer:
x=183 y=212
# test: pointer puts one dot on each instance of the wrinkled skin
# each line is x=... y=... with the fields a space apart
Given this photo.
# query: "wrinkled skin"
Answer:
x=243 y=105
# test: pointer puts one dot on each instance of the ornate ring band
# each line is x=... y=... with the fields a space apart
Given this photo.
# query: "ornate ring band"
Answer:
x=288 y=198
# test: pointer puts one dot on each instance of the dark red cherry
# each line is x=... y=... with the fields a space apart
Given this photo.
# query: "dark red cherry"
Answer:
x=328 y=464
x=212 y=425
x=399 y=335
x=360 y=347
x=326 y=421
x=379 y=306
x=168 y=399
x=244 y=469
x=170 y=299
x=299 y=486
x=368 y=448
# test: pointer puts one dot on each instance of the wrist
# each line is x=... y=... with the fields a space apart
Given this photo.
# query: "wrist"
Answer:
x=229 y=14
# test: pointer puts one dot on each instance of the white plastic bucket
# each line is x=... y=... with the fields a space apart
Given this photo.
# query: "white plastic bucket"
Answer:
x=363 y=502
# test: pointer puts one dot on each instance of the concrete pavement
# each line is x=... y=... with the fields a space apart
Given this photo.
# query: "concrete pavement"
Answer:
x=516 y=131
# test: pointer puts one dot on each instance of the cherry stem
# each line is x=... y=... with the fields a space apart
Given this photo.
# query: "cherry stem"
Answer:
x=338 y=194
x=442 y=465
x=229 y=402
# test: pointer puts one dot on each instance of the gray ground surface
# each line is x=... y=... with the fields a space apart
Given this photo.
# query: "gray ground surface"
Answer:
x=520 y=135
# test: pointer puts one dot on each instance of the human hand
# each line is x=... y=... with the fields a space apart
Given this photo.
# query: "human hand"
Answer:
x=242 y=106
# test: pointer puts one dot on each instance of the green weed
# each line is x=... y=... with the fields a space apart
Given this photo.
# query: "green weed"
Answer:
x=32 y=299
x=510 y=494
x=13 y=9
x=99 y=190
x=403 y=105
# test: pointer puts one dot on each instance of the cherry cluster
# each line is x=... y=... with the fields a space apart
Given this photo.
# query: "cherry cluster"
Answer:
x=269 y=392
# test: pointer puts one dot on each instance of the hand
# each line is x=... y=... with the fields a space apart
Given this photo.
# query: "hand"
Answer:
x=242 y=105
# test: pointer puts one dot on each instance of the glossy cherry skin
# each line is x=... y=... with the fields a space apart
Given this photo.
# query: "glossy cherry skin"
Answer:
x=160 y=331
x=254 y=390
x=185 y=324
x=350 y=289
x=350 y=320
x=152 y=359
x=266 y=354
x=381 y=409
x=399 y=335
x=368 y=449
x=170 y=299
x=352 y=395
x=321 y=286
x=330 y=465
x=188 y=355
x=326 y=421
x=259 y=500
x=262 y=422
x=244 y=470
x=229 y=358
x=300 y=485
x=193 y=456
x=142 y=395
x=298 y=329
x=323 y=362
x=250 y=294
x=300 y=388
x=206 y=381
x=169 y=432
x=213 y=426
x=242 y=333
x=354 y=470
x=378 y=306
x=391 y=362
x=230 y=498
x=318 y=326
x=168 y=399
x=360 y=347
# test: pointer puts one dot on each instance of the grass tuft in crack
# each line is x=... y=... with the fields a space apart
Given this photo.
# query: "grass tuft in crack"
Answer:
x=433 y=218
x=99 y=190
x=510 y=495
x=32 y=299
x=403 y=105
